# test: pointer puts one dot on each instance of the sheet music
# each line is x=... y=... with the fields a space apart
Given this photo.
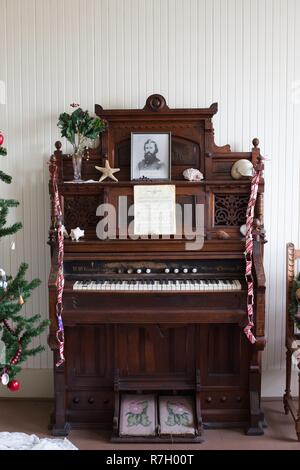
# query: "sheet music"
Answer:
x=154 y=210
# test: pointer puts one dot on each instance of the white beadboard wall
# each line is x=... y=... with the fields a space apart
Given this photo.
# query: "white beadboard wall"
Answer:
x=244 y=54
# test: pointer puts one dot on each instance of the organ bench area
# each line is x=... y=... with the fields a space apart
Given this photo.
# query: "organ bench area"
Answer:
x=149 y=316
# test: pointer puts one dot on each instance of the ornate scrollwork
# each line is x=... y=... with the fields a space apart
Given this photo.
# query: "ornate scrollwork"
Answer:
x=80 y=212
x=230 y=209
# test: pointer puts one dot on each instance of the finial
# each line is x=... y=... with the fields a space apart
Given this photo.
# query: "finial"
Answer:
x=156 y=103
x=256 y=224
x=255 y=142
x=58 y=145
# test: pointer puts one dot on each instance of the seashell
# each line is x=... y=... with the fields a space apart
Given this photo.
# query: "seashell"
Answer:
x=191 y=174
x=76 y=233
x=222 y=235
x=241 y=168
x=243 y=230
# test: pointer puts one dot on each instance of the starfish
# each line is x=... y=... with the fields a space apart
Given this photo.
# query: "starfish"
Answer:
x=107 y=171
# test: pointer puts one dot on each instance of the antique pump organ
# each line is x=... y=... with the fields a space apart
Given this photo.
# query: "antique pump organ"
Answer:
x=146 y=314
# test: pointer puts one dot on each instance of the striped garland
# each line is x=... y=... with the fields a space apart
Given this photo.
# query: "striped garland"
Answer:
x=60 y=280
x=249 y=250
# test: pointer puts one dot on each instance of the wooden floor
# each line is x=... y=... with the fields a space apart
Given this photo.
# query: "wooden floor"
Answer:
x=32 y=417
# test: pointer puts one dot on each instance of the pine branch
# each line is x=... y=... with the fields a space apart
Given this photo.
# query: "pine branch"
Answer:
x=5 y=204
x=3 y=151
x=9 y=203
x=4 y=177
x=10 y=230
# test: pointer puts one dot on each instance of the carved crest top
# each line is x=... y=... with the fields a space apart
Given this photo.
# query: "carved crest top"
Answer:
x=156 y=103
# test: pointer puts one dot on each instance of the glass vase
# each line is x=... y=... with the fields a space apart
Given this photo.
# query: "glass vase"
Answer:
x=77 y=164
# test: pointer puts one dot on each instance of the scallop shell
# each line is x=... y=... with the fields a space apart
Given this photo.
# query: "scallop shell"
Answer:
x=191 y=174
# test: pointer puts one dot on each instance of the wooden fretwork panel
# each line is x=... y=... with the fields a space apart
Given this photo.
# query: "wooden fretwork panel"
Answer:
x=230 y=209
x=154 y=349
x=82 y=213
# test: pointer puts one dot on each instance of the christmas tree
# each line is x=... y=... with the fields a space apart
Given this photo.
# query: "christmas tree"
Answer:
x=16 y=331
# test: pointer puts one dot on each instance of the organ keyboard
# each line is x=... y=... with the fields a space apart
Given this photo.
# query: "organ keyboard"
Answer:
x=151 y=315
x=160 y=285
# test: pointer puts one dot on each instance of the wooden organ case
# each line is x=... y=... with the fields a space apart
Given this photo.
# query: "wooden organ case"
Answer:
x=170 y=341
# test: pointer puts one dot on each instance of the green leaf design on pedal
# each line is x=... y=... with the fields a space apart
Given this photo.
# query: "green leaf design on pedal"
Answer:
x=137 y=414
x=177 y=414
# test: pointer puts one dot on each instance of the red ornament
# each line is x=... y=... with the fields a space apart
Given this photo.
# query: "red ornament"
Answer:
x=13 y=385
x=1 y=138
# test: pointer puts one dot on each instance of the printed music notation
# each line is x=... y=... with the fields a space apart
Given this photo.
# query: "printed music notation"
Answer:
x=155 y=210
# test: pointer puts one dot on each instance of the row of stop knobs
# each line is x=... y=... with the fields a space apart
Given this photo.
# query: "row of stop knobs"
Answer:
x=149 y=271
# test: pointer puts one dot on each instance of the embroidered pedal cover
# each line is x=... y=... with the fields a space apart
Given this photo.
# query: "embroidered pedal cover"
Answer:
x=176 y=414
x=137 y=415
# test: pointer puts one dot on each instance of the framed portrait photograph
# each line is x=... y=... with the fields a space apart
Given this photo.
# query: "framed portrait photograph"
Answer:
x=151 y=155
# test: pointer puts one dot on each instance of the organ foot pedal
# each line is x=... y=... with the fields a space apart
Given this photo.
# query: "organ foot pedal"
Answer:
x=156 y=413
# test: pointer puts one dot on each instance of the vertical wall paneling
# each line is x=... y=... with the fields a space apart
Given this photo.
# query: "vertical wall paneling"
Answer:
x=242 y=53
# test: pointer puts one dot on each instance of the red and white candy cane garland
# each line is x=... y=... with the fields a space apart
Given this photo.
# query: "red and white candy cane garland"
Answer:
x=60 y=280
x=249 y=248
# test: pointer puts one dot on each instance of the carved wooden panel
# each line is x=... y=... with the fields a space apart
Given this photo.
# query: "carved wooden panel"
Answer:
x=230 y=209
x=184 y=154
x=81 y=212
x=224 y=349
x=155 y=349
x=89 y=350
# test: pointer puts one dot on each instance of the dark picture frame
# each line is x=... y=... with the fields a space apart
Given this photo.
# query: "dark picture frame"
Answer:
x=151 y=155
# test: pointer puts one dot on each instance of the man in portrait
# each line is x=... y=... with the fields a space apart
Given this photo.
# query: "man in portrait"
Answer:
x=150 y=161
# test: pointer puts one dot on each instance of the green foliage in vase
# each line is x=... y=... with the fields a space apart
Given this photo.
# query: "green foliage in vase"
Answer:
x=79 y=128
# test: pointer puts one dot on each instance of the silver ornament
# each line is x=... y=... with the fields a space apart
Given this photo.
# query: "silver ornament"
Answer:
x=5 y=379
